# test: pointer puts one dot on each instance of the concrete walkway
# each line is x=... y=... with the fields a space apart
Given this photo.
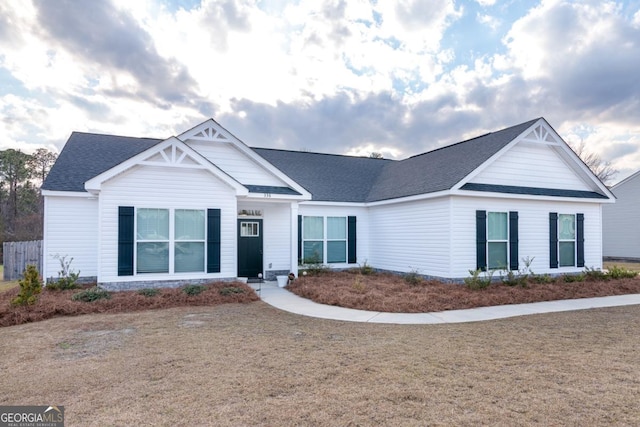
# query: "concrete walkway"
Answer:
x=282 y=299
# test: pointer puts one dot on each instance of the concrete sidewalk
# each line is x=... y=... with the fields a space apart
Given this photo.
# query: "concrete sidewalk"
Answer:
x=282 y=299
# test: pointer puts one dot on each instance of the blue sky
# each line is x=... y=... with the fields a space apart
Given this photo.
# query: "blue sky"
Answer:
x=339 y=76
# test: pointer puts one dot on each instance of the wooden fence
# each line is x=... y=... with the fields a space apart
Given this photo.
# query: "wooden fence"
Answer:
x=17 y=255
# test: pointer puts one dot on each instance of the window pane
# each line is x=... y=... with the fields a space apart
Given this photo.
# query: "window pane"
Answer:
x=153 y=258
x=497 y=255
x=189 y=256
x=313 y=252
x=566 y=227
x=313 y=227
x=337 y=251
x=153 y=224
x=249 y=229
x=567 y=254
x=336 y=227
x=497 y=226
x=189 y=224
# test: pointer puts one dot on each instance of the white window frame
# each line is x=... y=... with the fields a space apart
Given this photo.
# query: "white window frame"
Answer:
x=171 y=241
x=574 y=240
x=254 y=225
x=325 y=240
x=505 y=241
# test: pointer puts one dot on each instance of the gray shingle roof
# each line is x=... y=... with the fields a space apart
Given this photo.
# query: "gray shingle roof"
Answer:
x=328 y=177
x=359 y=179
x=86 y=155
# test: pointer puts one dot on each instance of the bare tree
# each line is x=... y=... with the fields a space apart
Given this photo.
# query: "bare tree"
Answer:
x=602 y=169
x=375 y=155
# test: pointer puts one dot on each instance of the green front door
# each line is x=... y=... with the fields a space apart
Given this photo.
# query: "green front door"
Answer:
x=249 y=248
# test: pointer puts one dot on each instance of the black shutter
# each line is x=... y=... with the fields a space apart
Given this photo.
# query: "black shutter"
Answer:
x=580 y=239
x=481 y=240
x=553 y=240
x=513 y=241
x=299 y=239
x=213 y=240
x=351 y=242
x=125 y=240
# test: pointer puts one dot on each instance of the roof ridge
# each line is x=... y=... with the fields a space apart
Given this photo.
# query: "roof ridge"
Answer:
x=116 y=136
x=321 y=154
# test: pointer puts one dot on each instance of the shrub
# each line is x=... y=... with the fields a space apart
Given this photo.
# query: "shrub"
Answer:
x=67 y=278
x=571 y=278
x=193 y=290
x=542 y=278
x=514 y=278
x=413 y=278
x=231 y=290
x=366 y=269
x=30 y=287
x=91 y=294
x=595 y=274
x=616 y=272
x=477 y=282
x=316 y=269
x=147 y=292
x=358 y=286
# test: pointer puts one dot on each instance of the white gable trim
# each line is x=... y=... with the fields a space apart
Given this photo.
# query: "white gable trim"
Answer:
x=170 y=153
x=210 y=130
x=541 y=132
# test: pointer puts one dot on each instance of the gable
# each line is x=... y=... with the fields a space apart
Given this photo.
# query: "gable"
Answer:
x=538 y=163
x=168 y=154
x=236 y=159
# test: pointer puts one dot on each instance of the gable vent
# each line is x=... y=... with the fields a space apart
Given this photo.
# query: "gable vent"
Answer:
x=209 y=134
x=540 y=135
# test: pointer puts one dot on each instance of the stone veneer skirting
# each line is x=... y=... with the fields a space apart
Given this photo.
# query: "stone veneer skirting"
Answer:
x=153 y=284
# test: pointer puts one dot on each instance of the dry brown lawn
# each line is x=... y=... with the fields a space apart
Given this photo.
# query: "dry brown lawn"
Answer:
x=250 y=364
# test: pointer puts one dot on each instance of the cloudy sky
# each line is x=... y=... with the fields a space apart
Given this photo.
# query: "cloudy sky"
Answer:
x=344 y=76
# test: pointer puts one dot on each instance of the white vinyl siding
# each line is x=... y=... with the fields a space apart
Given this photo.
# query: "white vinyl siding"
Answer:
x=71 y=231
x=533 y=231
x=531 y=165
x=621 y=233
x=412 y=236
x=157 y=187
x=235 y=163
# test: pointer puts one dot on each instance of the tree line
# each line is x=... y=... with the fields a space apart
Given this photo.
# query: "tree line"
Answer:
x=21 y=205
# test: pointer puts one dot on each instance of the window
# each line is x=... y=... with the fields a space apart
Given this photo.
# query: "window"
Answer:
x=497 y=240
x=321 y=247
x=566 y=240
x=336 y=239
x=313 y=239
x=249 y=229
x=189 y=240
x=156 y=245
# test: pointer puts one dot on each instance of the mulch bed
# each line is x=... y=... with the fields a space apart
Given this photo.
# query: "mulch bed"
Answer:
x=391 y=293
x=59 y=303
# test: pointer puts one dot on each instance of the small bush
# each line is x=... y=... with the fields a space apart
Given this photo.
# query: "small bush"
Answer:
x=477 y=282
x=616 y=272
x=358 y=286
x=316 y=269
x=67 y=278
x=30 y=287
x=231 y=290
x=91 y=294
x=595 y=274
x=366 y=269
x=571 y=278
x=514 y=278
x=147 y=292
x=543 y=278
x=193 y=290
x=413 y=278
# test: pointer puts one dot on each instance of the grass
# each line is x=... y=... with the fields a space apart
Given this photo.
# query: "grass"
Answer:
x=252 y=365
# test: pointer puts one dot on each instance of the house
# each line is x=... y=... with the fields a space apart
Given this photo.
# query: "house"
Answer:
x=139 y=212
x=621 y=234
